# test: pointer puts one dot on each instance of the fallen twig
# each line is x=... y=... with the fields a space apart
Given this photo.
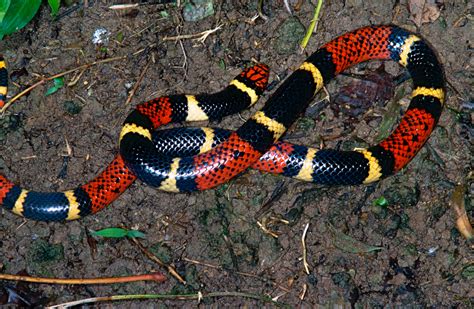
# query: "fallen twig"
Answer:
x=312 y=26
x=260 y=10
x=156 y=276
x=198 y=296
x=303 y=242
x=266 y=230
x=135 y=87
x=303 y=292
x=123 y=6
x=201 y=36
x=155 y=259
x=287 y=7
x=126 y=6
x=238 y=273
x=45 y=79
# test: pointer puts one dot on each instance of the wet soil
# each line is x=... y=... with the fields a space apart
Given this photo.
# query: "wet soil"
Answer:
x=359 y=253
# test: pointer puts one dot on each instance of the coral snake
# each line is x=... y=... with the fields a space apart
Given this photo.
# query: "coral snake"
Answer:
x=185 y=159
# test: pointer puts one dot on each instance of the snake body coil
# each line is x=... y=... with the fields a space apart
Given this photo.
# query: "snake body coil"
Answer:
x=245 y=146
x=185 y=160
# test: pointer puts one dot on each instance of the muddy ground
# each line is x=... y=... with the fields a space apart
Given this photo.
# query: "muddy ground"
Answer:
x=359 y=253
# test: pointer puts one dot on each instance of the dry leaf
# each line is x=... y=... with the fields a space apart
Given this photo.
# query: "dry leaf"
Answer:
x=458 y=205
x=424 y=11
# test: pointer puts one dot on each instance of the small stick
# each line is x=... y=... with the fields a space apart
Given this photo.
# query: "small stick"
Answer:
x=198 y=296
x=238 y=273
x=135 y=5
x=155 y=259
x=123 y=6
x=68 y=148
x=140 y=78
x=45 y=79
x=260 y=10
x=201 y=36
x=287 y=6
x=312 y=26
x=305 y=262
x=76 y=79
x=29 y=157
x=266 y=230
x=303 y=292
x=158 y=277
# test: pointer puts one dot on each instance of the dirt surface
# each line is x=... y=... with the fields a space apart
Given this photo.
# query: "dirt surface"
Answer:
x=359 y=253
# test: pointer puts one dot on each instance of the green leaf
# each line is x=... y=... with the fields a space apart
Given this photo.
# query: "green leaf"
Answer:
x=222 y=64
x=4 y=4
x=381 y=201
x=19 y=13
x=120 y=37
x=111 y=232
x=135 y=234
x=54 y=5
x=117 y=232
x=58 y=83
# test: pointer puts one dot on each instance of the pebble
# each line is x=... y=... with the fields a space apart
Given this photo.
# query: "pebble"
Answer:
x=289 y=34
x=72 y=107
x=197 y=10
